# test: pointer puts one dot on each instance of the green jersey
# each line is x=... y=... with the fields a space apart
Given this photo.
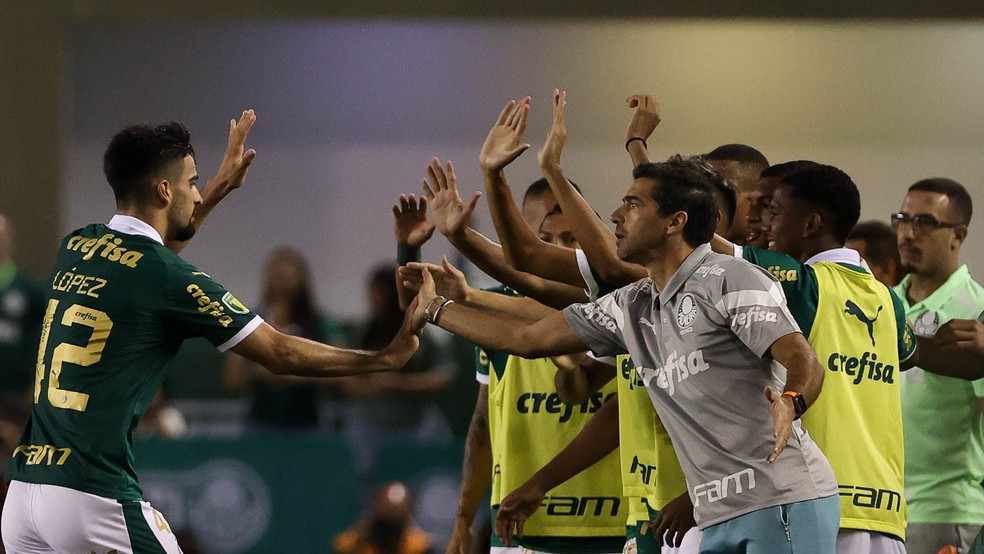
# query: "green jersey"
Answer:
x=21 y=309
x=119 y=306
x=857 y=327
x=944 y=425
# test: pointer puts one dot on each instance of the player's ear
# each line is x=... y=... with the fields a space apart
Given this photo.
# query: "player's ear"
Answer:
x=813 y=225
x=163 y=191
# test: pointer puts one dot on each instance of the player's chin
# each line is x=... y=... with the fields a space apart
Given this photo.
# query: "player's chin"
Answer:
x=186 y=232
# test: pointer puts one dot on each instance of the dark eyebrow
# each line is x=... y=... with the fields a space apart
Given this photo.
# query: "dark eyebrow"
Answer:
x=629 y=198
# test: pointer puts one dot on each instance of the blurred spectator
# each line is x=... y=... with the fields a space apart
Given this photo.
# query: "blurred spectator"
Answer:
x=387 y=529
x=283 y=402
x=22 y=305
x=398 y=403
x=877 y=244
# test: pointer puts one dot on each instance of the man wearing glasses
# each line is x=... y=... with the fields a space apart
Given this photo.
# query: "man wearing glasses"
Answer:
x=943 y=417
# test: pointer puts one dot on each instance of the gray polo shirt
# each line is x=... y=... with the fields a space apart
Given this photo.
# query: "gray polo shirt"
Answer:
x=701 y=347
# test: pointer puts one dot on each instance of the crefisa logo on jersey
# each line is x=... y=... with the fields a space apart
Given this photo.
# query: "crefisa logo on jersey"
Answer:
x=686 y=312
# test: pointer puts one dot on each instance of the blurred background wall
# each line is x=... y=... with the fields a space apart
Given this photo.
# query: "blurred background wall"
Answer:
x=351 y=108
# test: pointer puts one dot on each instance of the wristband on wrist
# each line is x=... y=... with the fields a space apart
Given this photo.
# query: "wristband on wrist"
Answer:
x=799 y=403
x=640 y=139
x=406 y=254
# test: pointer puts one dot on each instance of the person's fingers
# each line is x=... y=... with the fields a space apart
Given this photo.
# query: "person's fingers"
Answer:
x=422 y=205
x=524 y=116
x=428 y=193
x=504 y=114
x=451 y=177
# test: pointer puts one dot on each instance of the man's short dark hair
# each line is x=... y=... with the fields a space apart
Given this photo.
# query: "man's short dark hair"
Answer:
x=779 y=171
x=880 y=241
x=961 y=206
x=829 y=190
x=541 y=186
x=724 y=190
x=684 y=186
x=139 y=152
x=741 y=153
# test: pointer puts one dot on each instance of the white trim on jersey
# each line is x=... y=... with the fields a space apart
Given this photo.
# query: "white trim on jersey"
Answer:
x=482 y=378
x=129 y=225
x=242 y=334
x=733 y=301
x=585 y=268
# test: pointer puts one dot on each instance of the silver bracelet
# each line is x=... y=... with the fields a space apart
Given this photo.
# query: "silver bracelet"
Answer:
x=439 y=308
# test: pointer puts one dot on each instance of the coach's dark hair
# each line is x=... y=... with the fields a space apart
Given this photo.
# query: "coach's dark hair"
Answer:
x=541 y=186
x=961 y=206
x=829 y=190
x=741 y=153
x=881 y=243
x=684 y=186
x=138 y=153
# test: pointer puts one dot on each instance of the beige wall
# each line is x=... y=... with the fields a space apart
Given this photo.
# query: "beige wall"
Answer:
x=350 y=112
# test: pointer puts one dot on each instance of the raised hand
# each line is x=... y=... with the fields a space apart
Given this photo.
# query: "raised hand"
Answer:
x=502 y=145
x=515 y=509
x=448 y=211
x=236 y=161
x=550 y=153
x=645 y=118
x=783 y=413
x=410 y=221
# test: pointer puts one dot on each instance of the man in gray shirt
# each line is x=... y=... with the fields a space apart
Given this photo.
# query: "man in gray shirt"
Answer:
x=715 y=345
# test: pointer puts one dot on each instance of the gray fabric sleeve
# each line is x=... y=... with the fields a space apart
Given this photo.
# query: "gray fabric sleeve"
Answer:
x=599 y=324
x=754 y=305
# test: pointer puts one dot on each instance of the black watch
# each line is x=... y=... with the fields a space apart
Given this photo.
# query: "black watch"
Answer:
x=799 y=403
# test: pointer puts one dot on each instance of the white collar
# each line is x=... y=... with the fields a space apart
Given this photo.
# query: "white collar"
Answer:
x=837 y=255
x=130 y=225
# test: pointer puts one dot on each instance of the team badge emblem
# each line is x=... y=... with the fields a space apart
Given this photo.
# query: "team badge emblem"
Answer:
x=686 y=311
x=926 y=324
x=233 y=303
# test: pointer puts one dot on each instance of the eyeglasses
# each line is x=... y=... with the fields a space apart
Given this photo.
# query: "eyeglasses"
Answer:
x=921 y=223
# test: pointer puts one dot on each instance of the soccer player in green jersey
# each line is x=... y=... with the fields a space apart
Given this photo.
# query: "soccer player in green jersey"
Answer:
x=120 y=303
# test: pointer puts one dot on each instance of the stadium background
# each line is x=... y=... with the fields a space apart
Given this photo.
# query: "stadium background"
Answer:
x=354 y=98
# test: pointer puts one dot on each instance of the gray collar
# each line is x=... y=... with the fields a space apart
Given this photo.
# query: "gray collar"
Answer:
x=684 y=272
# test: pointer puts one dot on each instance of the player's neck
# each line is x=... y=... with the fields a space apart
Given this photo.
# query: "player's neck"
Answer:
x=923 y=284
x=155 y=218
x=666 y=261
x=815 y=247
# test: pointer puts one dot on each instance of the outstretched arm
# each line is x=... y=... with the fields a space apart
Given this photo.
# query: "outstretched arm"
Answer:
x=549 y=336
x=451 y=283
x=520 y=244
x=229 y=177
x=452 y=216
x=285 y=354
x=580 y=376
x=597 y=439
x=594 y=236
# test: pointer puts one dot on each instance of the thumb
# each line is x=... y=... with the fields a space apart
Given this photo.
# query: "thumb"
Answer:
x=512 y=155
x=770 y=394
x=473 y=202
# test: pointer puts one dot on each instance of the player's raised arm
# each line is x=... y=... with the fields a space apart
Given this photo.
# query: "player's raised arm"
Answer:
x=230 y=176
x=593 y=235
x=285 y=354
x=520 y=244
x=412 y=230
x=645 y=118
x=452 y=216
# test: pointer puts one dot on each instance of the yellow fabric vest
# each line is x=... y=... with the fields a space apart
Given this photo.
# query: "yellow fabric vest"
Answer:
x=529 y=425
x=650 y=468
x=857 y=420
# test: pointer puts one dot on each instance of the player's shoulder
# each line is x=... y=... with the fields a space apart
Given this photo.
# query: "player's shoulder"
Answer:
x=718 y=272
